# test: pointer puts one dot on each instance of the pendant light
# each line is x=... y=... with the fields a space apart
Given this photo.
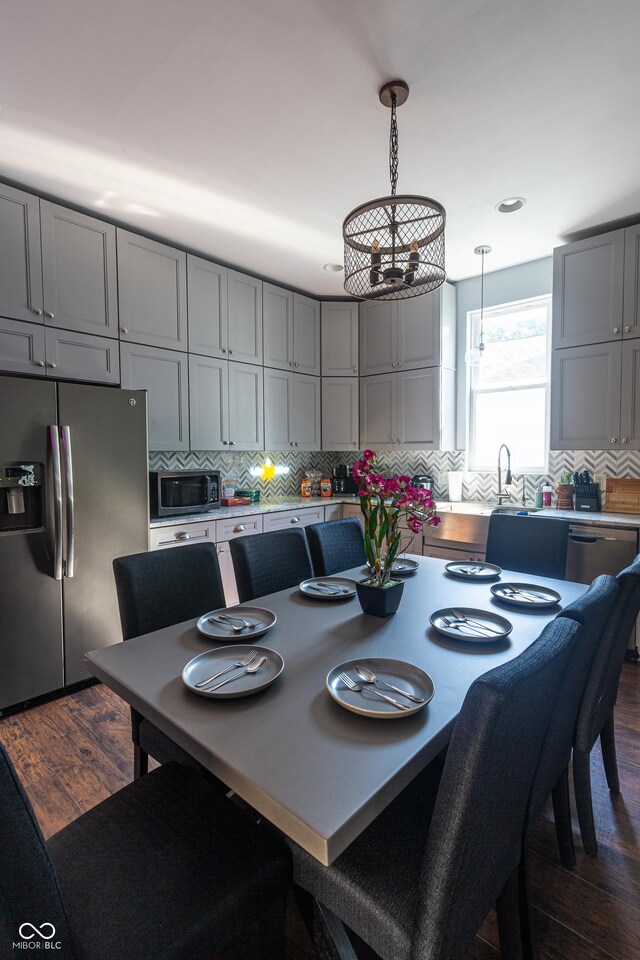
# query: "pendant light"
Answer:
x=394 y=246
x=473 y=356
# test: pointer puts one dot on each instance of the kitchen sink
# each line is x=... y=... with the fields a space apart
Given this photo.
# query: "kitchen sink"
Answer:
x=514 y=508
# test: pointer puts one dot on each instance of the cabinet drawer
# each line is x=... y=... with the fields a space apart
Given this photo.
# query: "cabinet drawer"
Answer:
x=238 y=527
x=176 y=536
x=293 y=518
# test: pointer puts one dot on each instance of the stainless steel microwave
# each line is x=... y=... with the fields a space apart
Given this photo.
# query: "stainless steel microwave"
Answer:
x=176 y=492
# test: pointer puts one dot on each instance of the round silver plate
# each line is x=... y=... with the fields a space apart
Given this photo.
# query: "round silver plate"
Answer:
x=402 y=567
x=473 y=570
x=525 y=594
x=207 y=664
x=260 y=619
x=401 y=674
x=487 y=627
x=328 y=588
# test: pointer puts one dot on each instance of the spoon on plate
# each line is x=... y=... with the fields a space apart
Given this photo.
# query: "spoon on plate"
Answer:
x=368 y=676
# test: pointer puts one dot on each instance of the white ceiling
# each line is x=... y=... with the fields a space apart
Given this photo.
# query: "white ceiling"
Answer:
x=248 y=130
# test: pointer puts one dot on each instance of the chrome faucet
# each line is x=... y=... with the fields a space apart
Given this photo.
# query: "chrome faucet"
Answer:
x=508 y=478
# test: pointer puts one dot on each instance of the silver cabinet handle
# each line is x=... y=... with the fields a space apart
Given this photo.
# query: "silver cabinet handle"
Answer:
x=182 y=536
x=624 y=440
x=231 y=352
x=627 y=329
x=355 y=369
x=231 y=443
x=54 y=441
x=71 y=512
x=50 y=315
x=124 y=329
x=296 y=364
x=239 y=528
x=613 y=440
x=39 y=363
x=221 y=550
x=224 y=350
x=290 y=363
x=295 y=520
x=51 y=364
x=37 y=311
x=616 y=329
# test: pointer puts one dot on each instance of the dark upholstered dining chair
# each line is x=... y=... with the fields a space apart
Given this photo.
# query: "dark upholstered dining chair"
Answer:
x=419 y=881
x=165 y=869
x=336 y=545
x=268 y=562
x=595 y=717
x=155 y=590
x=536 y=545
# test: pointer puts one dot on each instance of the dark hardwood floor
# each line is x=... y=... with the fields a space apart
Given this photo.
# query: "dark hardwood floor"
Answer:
x=73 y=752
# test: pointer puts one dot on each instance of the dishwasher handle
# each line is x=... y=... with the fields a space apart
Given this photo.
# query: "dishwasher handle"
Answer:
x=582 y=538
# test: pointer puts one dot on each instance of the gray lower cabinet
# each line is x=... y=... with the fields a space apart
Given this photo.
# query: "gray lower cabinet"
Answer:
x=588 y=290
x=340 y=421
x=164 y=375
x=411 y=410
x=207 y=298
x=225 y=404
x=339 y=339
x=78 y=271
x=45 y=351
x=631 y=315
x=20 y=263
x=291 y=410
x=152 y=291
x=585 y=397
x=244 y=317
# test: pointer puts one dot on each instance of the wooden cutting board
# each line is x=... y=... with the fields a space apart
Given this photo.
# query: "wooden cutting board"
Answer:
x=623 y=496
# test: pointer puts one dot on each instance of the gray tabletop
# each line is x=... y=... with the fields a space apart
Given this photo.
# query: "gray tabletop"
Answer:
x=318 y=772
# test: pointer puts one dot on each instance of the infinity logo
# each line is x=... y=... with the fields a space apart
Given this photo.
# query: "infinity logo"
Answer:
x=40 y=932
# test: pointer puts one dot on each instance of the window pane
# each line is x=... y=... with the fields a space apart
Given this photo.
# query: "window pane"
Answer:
x=517 y=418
x=515 y=347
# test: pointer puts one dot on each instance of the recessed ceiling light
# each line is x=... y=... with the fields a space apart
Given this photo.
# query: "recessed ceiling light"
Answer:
x=511 y=204
x=333 y=267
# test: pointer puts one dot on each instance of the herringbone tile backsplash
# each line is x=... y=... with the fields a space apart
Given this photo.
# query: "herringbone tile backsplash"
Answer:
x=476 y=486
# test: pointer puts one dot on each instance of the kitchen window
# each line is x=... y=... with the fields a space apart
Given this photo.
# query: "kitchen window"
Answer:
x=509 y=389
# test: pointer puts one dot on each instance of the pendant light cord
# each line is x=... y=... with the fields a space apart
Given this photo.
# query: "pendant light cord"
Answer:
x=393 y=147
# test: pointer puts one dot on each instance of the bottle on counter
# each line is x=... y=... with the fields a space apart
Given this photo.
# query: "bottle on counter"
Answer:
x=547 y=492
x=537 y=500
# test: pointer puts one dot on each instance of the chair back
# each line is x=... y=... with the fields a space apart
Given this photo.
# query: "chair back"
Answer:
x=474 y=842
x=163 y=587
x=29 y=891
x=536 y=545
x=336 y=545
x=268 y=562
x=592 y=611
x=601 y=688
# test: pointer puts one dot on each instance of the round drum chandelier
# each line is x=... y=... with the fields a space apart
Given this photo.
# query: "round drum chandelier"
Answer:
x=394 y=246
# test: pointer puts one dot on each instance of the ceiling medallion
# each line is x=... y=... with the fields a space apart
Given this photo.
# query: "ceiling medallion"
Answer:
x=394 y=246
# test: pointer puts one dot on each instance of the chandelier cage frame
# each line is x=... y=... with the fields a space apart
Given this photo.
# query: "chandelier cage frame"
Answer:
x=394 y=246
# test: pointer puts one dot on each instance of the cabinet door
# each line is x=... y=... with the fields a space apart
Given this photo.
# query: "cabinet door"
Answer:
x=246 y=410
x=278 y=408
x=306 y=335
x=79 y=271
x=585 y=397
x=81 y=356
x=245 y=318
x=178 y=535
x=630 y=405
x=20 y=265
x=419 y=409
x=163 y=374
x=340 y=403
x=22 y=348
x=152 y=289
x=419 y=331
x=631 y=317
x=208 y=403
x=378 y=411
x=339 y=339
x=277 y=317
x=227 y=574
x=378 y=337
x=207 y=299
x=305 y=417
x=333 y=512
x=587 y=290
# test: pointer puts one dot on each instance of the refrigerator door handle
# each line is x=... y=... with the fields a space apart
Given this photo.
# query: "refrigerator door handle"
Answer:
x=54 y=440
x=71 y=512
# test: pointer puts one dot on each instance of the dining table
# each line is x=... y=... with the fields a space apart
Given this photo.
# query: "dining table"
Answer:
x=317 y=771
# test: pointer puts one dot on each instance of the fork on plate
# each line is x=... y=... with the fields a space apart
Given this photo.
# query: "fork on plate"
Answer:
x=352 y=685
x=232 y=666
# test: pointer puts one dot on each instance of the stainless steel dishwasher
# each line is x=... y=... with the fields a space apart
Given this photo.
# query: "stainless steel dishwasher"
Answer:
x=601 y=549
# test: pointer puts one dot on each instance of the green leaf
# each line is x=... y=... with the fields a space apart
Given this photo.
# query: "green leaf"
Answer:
x=393 y=549
x=373 y=522
x=368 y=549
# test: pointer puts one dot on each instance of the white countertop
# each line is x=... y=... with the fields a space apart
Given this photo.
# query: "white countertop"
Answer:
x=263 y=506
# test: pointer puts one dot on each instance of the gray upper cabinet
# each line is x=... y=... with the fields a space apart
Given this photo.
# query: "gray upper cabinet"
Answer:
x=419 y=332
x=378 y=337
x=410 y=410
x=379 y=411
x=418 y=407
x=208 y=403
x=79 y=271
x=291 y=410
x=20 y=264
x=244 y=317
x=164 y=375
x=152 y=292
x=588 y=290
x=631 y=315
x=277 y=305
x=339 y=341
x=630 y=397
x=72 y=355
x=340 y=404
x=306 y=335
x=306 y=412
x=207 y=300
x=246 y=406
x=585 y=397
x=22 y=347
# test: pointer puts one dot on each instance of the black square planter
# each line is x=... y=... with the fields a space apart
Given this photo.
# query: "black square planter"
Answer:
x=380 y=601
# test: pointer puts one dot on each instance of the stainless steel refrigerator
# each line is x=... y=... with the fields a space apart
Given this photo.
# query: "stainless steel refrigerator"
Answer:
x=73 y=495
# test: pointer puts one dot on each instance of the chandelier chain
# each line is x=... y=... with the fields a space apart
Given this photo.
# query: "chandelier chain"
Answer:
x=393 y=147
